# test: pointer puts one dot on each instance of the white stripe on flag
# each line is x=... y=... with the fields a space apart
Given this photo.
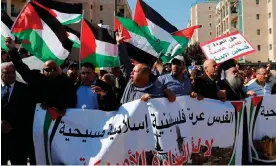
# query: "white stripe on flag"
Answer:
x=52 y=41
x=107 y=49
x=64 y=17
x=73 y=37
x=5 y=31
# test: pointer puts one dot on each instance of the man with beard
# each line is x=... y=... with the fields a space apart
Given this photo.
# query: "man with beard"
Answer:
x=232 y=82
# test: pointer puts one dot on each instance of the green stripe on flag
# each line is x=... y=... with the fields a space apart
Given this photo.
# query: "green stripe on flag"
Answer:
x=102 y=60
x=73 y=21
x=3 y=43
x=47 y=124
x=37 y=47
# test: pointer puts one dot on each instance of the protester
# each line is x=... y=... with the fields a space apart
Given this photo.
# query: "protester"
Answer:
x=232 y=83
x=194 y=74
x=207 y=85
x=23 y=53
x=258 y=86
x=273 y=91
x=271 y=79
x=4 y=56
x=16 y=118
x=73 y=72
x=52 y=88
x=93 y=93
x=176 y=81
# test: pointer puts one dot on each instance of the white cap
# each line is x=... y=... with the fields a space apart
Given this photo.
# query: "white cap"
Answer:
x=178 y=57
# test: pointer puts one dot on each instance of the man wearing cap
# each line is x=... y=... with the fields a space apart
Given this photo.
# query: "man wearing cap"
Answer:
x=73 y=71
x=176 y=81
x=231 y=82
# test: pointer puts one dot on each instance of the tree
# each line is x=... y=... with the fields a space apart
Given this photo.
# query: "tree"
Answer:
x=194 y=53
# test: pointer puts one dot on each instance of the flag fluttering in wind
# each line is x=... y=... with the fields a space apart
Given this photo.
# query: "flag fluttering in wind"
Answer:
x=73 y=35
x=98 y=46
x=6 y=24
x=160 y=30
x=66 y=13
x=139 y=44
x=47 y=37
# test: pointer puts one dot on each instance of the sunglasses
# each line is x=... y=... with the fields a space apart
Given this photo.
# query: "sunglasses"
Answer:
x=50 y=70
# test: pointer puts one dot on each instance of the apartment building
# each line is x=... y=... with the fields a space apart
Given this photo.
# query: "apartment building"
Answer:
x=97 y=11
x=203 y=13
x=255 y=19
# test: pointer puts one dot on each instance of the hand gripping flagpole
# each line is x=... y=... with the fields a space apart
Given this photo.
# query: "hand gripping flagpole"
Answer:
x=82 y=19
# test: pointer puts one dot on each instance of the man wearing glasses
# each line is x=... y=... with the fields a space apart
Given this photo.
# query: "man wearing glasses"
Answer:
x=258 y=86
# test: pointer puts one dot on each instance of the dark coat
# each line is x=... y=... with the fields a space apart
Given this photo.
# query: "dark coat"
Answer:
x=231 y=93
x=206 y=87
x=58 y=92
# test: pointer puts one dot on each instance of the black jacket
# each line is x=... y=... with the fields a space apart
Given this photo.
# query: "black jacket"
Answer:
x=19 y=111
x=206 y=87
x=231 y=93
x=58 y=92
x=107 y=102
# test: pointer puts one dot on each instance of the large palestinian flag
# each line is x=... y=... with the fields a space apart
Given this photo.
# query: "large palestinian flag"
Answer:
x=64 y=12
x=159 y=29
x=47 y=37
x=98 y=46
x=139 y=44
x=6 y=24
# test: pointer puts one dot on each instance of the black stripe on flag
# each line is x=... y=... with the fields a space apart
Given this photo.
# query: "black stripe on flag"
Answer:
x=6 y=19
x=102 y=34
x=69 y=8
x=156 y=18
x=55 y=26
x=138 y=54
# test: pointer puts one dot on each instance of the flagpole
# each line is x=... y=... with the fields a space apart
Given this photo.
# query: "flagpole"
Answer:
x=81 y=39
x=28 y=1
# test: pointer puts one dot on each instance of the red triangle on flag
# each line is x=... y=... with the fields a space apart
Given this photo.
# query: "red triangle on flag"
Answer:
x=188 y=32
x=238 y=105
x=139 y=16
x=125 y=31
x=88 y=41
x=28 y=19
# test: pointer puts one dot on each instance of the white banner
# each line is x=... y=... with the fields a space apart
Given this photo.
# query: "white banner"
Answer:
x=261 y=112
x=139 y=133
x=227 y=47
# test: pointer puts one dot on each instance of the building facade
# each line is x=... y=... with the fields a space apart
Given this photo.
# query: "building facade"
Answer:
x=203 y=13
x=255 y=19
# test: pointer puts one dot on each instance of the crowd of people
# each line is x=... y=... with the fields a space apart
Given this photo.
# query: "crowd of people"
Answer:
x=79 y=86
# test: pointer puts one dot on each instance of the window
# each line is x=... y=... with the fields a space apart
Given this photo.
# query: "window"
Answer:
x=210 y=16
x=210 y=25
x=270 y=30
x=101 y=7
x=209 y=8
x=270 y=46
x=101 y=21
x=258 y=16
x=91 y=20
x=269 y=1
x=269 y=15
x=210 y=33
x=91 y=6
x=258 y=32
x=257 y=2
x=259 y=47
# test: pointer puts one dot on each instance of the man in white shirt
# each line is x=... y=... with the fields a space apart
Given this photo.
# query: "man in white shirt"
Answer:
x=259 y=86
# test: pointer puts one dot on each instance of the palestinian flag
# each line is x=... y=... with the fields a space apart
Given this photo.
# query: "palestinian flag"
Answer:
x=46 y=35
x=64 y=12
x=98 y=46
x=159 y=29
x=6 y=24
x=139 y=44
x=73 y=35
